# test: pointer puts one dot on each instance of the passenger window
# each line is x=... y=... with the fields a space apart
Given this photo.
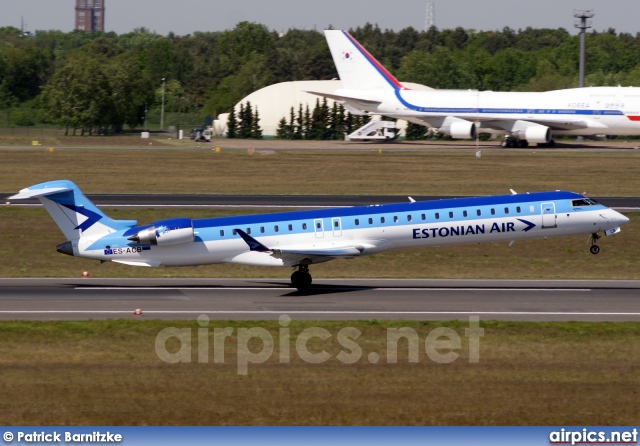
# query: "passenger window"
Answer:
x=371 y=221
x=518 y=209
x=424 y=216
x=319 y=225
x=506 y=210
x=395 y=219
x=409 y=218
x=493 y=212
x=235 y=232
x=248 y=231
x=336 y=224
x=304 y=226
x=450 y=214
x=437 y=215
x=478 y=212
x=381 y=219
x=275 y=228
x=221 y=232
x=262 y=229
x=290 y=227
x=357 y=222
x=464 y=214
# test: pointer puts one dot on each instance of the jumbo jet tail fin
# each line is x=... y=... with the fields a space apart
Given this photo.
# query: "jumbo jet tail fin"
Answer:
x=74 y=213
x=358 y=69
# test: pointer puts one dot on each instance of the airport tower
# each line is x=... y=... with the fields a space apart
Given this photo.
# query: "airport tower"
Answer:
x=90 y=15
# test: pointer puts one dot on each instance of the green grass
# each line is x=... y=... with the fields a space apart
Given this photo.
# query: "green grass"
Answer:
x=29 y=238
x=322 y=172
x=107 y=373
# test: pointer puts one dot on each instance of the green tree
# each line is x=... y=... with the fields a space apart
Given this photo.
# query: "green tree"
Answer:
x=232 y=124
x=415 y=132
x=79 y=95
x=256 y=131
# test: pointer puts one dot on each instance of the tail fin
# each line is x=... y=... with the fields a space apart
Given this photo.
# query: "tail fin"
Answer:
x=75 y=214
x=358 y=69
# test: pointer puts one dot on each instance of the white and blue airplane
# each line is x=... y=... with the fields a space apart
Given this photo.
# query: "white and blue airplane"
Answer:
x=302 y=238
x=527 y=117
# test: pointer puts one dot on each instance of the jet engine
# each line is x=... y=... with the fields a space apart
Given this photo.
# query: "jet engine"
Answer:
x=174 y=231
x=535 y=133
x=459 y=130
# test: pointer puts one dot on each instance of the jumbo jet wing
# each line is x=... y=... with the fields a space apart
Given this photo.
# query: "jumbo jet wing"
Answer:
x=300 y=251
x=501 y=124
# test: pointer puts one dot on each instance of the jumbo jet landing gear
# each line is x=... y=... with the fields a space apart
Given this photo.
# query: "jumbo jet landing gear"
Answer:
x=512 y=142
x=301 y=279
x=595 y=249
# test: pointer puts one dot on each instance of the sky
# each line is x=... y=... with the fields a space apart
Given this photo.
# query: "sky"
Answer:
x=187 y=16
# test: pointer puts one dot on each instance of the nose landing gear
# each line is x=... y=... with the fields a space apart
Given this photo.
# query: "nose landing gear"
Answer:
x=301 y=279
x=594 y=249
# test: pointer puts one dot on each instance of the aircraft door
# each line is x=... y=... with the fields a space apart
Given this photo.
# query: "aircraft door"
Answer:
x=549 y=215
x=318 y=226
x=336 y=225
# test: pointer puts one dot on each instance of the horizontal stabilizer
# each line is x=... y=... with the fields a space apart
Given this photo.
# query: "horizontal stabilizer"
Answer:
x=33 y=193
x=337 y=97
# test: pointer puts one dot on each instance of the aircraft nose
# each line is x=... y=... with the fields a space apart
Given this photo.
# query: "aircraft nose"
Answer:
x=618 y=218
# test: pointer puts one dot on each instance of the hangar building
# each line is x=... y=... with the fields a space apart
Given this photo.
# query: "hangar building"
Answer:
x=275 y=101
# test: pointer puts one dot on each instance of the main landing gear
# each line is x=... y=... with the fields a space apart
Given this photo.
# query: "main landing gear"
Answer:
x=301 y=279
x=595 y=249
x=510 y=142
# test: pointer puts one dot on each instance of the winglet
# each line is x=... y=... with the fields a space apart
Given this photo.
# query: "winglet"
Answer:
x=254 y=245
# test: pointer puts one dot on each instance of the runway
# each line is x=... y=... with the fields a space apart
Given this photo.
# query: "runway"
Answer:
x=278 y=201
x=329 y=299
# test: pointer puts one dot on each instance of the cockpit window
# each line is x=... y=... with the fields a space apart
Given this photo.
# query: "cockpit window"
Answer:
x=583 y=202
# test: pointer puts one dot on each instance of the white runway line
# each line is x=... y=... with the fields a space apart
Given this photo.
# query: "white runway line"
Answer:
x=499 y=313
x=320 y=289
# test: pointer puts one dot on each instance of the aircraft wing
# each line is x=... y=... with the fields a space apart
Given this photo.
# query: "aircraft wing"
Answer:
x=501 y=124
x=300 y=252
x=562 y=125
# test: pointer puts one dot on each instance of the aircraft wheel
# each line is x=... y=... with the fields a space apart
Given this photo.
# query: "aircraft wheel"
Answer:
x=595 y=249
x=305 y=281
x=301 y=279
x=295 y=278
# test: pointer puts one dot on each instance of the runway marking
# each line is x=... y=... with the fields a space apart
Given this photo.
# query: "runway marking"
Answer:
x=334 y=288
x=512 y=313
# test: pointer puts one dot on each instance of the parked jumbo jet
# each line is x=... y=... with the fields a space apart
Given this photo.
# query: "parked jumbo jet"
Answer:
x=524 y=117
x=299 y=239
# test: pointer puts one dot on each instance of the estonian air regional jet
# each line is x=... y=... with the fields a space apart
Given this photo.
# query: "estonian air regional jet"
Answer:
x=367 y=87
x=299 y=239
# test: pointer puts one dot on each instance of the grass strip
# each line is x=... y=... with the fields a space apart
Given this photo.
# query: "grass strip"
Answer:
x=108 y=373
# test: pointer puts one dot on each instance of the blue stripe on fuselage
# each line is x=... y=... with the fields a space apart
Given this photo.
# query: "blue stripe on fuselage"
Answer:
x=504 y=111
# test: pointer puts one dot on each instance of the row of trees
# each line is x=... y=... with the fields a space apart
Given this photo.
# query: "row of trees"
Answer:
x=246 y=125
x=323 y=123
x=80 y=79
